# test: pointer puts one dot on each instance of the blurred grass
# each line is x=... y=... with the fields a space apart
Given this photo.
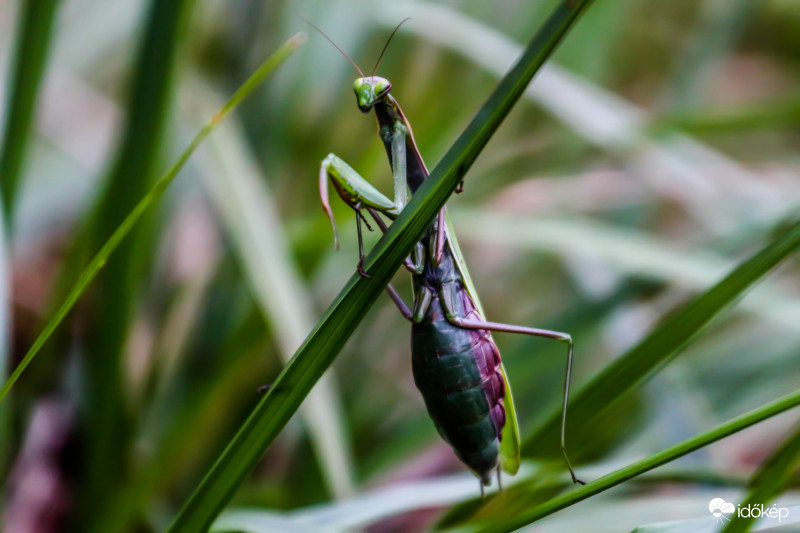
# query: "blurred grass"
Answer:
x=655 y=154
x=594 y=404
x=30 y=57
x=133 y=171
x=106 y=460
x=250 y=215
x=771 y=479
x=5 y=349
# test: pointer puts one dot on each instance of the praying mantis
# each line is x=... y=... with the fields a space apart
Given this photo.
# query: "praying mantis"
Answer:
x=455 y=361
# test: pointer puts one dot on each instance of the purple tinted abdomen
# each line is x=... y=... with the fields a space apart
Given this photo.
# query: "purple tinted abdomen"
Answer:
x=457 y=370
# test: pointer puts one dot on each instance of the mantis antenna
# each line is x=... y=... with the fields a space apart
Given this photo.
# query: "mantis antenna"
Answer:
x=336 y=45
x=378 y=62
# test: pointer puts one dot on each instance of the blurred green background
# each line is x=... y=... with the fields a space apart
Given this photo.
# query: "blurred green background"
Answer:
x=655 y=152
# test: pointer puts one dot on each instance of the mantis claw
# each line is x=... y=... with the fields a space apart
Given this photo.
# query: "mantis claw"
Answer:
x=335 y=237
x=323 y=196
x=360 y=268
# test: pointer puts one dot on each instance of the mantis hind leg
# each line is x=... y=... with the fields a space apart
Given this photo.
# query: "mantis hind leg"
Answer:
x=466 y=323
x=535 y=332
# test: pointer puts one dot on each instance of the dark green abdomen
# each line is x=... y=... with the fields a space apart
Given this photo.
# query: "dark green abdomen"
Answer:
x=457 y=371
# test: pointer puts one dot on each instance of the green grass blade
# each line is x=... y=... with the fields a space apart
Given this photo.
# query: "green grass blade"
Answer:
x=99 y=260
x=504 y=521
x=590 y=405
x=769 y=481
x=33 y=43
x=251 y=217
x=341 y=318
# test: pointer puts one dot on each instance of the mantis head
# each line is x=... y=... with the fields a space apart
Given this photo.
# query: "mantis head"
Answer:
x=370 y=90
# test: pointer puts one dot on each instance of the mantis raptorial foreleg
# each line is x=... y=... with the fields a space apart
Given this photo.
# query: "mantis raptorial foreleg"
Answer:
x=358 y=193
x=354 y=190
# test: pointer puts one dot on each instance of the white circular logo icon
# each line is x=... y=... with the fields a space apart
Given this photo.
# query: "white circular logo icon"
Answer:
x=719 y=507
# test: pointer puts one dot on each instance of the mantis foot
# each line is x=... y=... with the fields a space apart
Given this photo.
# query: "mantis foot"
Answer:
x=360 y=268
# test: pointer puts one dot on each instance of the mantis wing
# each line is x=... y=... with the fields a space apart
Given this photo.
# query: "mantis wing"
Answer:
x=510 y=442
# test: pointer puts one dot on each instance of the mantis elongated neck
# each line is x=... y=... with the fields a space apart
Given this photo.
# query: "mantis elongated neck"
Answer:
x=390 y=117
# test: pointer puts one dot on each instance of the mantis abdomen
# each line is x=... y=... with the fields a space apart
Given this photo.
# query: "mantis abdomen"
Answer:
x=457 y=371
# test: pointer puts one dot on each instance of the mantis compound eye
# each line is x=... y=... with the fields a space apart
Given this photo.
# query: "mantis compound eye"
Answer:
x=382 y=86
